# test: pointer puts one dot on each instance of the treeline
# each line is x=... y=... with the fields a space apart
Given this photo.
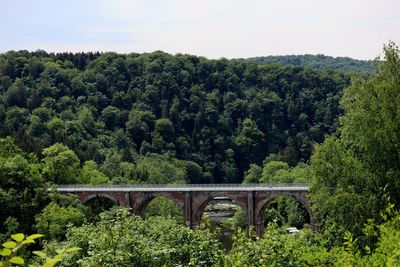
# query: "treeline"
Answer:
x=321 y=62
x=112 y=108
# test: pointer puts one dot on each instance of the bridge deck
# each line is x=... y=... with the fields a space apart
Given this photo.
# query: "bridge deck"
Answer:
x=181 y=187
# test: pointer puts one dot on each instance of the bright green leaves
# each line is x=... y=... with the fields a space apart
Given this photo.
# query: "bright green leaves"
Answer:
x=28 y=241
x=61 y=253
x=18 y=237
x=19 y=241
x=5 y=252
x=40 y=254
x=34 y=236
x=10 y=244
x=11 y=248
x=74 y=249
x=9 y=252
x=17 y=260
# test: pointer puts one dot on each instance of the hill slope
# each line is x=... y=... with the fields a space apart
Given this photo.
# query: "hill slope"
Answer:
x=222 y=115
x=321 y=62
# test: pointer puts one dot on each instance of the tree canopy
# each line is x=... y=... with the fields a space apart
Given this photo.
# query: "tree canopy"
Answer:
x=222 y=115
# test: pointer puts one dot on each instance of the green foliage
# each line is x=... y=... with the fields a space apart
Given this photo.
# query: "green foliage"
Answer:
x=222 y=115
x=160 y=170
x=90 y=174
x=61 y=165
x=237 y=221
x=385 y=250
x=120 y=239
x=20 y=196
x=285 y=211
x=9 y=252
x=353 y=170
x=249 y=142
x=277 y=249
x=341 y=64
x=371 y=124
x=278 y=172
x=11 y=247
x=61 y=254
x=165 y=207
x=274 y=170
x=58 y=215
x=253 y=174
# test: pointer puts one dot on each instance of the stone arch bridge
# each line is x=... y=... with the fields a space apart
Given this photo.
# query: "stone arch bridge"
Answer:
x=193 y=198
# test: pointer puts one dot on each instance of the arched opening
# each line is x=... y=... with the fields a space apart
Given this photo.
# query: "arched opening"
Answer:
x=99 y=203
x=162 y=206
x=225 y=213
x=288 y=212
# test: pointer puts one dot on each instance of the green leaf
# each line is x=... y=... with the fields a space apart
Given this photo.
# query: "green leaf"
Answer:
x=18 y=237
x=59 y=257
x=9 y=244
x=50 y=262
x=40 y=254
x=28 y=241
x=5 y=252
x=17 y=260
x=69 y=250
x=35 y=236
x=60 y=251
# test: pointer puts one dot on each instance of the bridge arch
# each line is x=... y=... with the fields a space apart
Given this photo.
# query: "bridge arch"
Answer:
x=100 y=195
x=198 y=210
x=143 y=201
x=263 y=204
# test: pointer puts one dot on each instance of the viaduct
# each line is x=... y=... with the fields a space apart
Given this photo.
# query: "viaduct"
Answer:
x=193 y=198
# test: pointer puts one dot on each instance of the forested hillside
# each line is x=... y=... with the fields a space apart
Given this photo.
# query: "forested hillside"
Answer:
x=321 y=62
x=209 y=118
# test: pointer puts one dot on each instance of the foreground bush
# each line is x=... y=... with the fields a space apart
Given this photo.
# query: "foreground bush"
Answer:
x=121 y=239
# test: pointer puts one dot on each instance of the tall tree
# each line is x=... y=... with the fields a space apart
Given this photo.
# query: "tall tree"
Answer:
x=354 y=170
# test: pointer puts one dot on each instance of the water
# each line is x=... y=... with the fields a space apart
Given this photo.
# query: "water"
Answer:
x=218 y=211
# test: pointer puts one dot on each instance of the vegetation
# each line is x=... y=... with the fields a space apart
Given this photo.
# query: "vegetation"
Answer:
x=209 y=118
x=18 y=241
x=322 y=62
x=354 y=169
x=156 y=118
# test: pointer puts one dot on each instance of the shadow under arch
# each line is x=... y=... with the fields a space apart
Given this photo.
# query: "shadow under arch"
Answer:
x=146 y=199
x=262 y=206
x=92 y=197
x=99 y=203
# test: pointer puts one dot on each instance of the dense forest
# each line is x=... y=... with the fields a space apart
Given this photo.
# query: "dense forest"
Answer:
x=321 y=62
x=155 y=118
x=216 y=117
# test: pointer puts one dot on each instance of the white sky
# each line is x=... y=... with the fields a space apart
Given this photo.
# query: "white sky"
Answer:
x=211 y=28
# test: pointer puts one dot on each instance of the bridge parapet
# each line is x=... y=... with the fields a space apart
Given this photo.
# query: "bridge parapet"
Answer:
x=181 y=187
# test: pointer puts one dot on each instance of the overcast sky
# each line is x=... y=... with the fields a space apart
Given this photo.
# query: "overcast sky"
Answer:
x=211 y=28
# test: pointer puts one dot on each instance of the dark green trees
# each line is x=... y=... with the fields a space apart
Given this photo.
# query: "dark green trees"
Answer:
x=222 y=115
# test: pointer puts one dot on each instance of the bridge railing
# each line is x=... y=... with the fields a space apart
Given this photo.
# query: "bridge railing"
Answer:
x=180 y=187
